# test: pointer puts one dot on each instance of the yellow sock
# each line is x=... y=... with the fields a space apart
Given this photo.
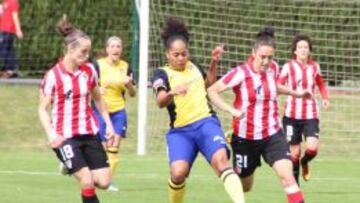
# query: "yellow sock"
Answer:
x=113 y=156
x=233 y=185
x=176 y=192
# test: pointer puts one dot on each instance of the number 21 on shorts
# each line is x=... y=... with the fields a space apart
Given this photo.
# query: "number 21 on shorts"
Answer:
x=241 y=161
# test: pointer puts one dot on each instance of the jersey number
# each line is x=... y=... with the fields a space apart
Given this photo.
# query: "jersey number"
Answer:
x=241 y=161
x=66 y=152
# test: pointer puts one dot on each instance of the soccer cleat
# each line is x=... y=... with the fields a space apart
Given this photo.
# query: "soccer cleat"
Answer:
x=63 y=169
x=112 y=188
x=305 y=172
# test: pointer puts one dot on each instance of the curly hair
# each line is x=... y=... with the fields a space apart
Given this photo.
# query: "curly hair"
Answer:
x=174 y=29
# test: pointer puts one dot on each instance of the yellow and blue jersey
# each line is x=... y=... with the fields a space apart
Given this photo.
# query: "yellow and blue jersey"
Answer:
x=111 y=77
x=191 y=107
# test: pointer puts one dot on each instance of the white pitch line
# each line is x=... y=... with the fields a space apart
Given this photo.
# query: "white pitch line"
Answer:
x=156 y=175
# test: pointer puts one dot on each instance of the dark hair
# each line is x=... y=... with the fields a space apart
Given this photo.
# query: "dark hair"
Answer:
x=69 y=32
x=174 y=29
x=265 y=37
x=298 y=38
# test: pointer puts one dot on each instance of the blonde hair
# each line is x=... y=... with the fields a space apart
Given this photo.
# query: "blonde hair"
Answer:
x=113 y=38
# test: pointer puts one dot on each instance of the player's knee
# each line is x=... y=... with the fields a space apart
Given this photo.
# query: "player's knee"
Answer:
x=220 y=161
x=103 y=183
x=87 y=182
x=287 y=179
x=178 y=175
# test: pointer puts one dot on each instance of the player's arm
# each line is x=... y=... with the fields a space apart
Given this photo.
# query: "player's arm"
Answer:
x=55 y=140
x=282 y=89
x=214 y=92
x=163 y=93
x=211 y=75
x=323 y=90
x=129 y=83
x=102 y=109
x=164 y=98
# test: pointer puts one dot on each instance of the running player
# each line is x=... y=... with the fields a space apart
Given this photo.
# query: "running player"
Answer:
x=71 y=129
x=115 y=77
x=180 y=86
x=302 y=115
x=256 y=124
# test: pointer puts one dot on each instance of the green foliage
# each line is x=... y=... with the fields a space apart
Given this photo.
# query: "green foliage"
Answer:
x=42 y=46
x=333 y=26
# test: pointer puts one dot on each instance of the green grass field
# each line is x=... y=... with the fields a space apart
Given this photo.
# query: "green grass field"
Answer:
x=29 y=169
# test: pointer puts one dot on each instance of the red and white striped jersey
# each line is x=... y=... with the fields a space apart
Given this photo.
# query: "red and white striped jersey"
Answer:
x=256 y=96
x=300 y=78
x=71 y=113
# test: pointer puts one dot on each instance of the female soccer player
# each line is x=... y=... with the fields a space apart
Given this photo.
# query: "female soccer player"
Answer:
x=72 y=128
x=302 y=115
x=115 y=78
x=180 y=86
x=256 y=124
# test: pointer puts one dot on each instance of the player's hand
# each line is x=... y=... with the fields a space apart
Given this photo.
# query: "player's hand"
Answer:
x=179 y=90
x=127 y=80
x=237 y=113
x=57 y=142
x=110 y=133
x=217 y=52
x=326 y=103
x=304 y=94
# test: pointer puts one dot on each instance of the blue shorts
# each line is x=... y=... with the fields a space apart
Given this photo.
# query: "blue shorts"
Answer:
x=204 y=135
x=119 y=121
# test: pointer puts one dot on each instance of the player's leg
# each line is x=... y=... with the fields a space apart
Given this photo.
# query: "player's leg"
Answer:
x=72 y=157
x=246 y=158
x=111 y=152
x=277 y=155
x=87 y=184
x=211 y=141
x=311 y=131
x=182 y=152
x=295 y=150
x=119 y=121
x=96 y=160
x=293 y=131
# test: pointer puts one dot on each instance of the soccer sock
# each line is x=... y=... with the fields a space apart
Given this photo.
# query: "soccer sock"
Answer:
x=294 y=194
x=233 y=185
x=308 y=156
x=176 y=191
x=89 y=196
x=296 y=169
x=113 y=156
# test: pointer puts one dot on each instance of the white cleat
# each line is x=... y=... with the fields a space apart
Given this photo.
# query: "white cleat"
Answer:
x=112 y=188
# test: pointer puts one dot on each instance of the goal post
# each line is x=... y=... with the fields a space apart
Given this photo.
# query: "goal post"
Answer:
x=143 y=12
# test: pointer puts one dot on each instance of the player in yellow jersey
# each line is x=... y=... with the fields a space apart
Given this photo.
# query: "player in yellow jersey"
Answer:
x=115 y=77
x=180 y=86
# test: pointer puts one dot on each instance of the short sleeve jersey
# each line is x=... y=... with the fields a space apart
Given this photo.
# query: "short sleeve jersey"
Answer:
x=114 y=94
x=188 y=108
x=71 y=114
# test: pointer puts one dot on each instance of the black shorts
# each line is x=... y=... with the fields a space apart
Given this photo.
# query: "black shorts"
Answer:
x=247 y=153
x=82 y=151
x=295 y=128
